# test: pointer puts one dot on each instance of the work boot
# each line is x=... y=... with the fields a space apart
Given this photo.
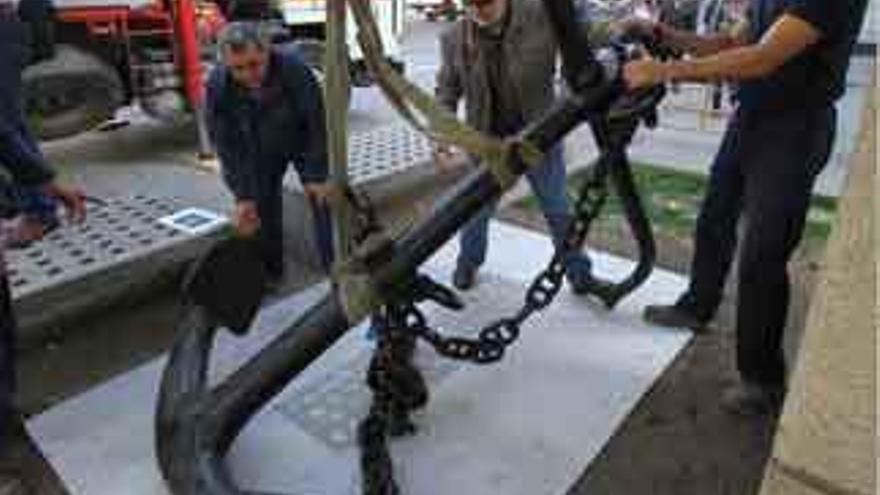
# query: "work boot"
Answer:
x=750 y=399
x=464 y=277
x=674 y=316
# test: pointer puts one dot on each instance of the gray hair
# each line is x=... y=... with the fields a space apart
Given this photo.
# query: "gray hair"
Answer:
x=237 y=36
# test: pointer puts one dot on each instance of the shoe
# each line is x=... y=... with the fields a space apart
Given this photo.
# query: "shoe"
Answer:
x=674 y=316
x=11 y=484
x=465 y=277
x=749 y=399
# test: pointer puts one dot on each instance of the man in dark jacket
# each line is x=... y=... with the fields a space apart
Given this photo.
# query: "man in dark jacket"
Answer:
x=791 y=68
x=264 y=110
x=25 y=38
x=23 y=169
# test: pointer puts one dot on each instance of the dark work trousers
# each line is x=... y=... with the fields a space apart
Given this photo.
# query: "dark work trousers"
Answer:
x=270 y=208
x=7 y=363
x=765 y=170
x=15 y=142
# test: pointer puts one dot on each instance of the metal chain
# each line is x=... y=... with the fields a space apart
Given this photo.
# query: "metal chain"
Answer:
x=493 y=339
x=398 y=389
x=398 y=386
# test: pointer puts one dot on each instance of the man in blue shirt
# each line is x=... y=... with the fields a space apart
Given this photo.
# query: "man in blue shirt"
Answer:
x=264 y=110
x=790 y=65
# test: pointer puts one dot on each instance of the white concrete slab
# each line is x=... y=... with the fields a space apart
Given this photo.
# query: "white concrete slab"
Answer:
x=528 y=425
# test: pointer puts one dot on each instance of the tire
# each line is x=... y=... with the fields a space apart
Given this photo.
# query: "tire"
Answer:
x=72 y=92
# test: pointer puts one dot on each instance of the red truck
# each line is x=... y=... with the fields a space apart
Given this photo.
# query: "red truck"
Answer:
x=111 y=53
x=154 y=53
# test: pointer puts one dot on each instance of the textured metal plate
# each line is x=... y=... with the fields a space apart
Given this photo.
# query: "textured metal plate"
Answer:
x=331 y=408
x=382 y=154
x=116 y=232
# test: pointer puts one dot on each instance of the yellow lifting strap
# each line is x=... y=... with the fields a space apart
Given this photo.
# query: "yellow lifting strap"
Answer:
x=436 y=122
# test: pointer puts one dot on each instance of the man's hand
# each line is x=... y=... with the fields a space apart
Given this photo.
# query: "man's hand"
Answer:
x=22 y=231
x=786 y=38
x=444 y=157
x=644 y=73
x=637 y=27
x=246 y=221
x=319 y=192
x=72 y=199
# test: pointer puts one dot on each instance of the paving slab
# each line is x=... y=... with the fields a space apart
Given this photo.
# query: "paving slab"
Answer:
x=526 y=426
x=124 y=245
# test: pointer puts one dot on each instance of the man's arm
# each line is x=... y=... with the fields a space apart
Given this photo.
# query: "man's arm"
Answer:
x=22 y=158
x=227 y=141
x=706 y=45
x=687 y=41
x=789 y=36
x=311 y=162
x=449 y=89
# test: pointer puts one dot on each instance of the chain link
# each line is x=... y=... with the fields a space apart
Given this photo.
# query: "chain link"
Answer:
x=494 y=339
x=398 y=386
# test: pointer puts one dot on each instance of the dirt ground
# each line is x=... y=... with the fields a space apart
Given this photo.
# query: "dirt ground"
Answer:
x=678 y=441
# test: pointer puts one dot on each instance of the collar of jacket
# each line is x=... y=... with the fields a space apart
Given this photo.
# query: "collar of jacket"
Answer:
x=497 y=29
x=515 y=23
x=518 y=20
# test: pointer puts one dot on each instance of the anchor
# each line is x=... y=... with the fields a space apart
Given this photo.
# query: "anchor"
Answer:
x=196 y=422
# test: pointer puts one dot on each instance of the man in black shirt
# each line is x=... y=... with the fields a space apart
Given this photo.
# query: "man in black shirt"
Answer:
x=790 y=65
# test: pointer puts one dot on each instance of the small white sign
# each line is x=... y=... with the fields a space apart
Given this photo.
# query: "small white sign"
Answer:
x=194 y=221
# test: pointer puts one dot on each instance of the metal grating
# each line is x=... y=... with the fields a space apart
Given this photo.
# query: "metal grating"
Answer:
x=382 y=153
x=116 y=231
x=331 y=407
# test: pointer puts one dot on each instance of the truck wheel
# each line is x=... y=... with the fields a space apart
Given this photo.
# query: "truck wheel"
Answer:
x=72 y=92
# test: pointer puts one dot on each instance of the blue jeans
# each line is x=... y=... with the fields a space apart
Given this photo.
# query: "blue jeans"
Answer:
x=548 y=183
